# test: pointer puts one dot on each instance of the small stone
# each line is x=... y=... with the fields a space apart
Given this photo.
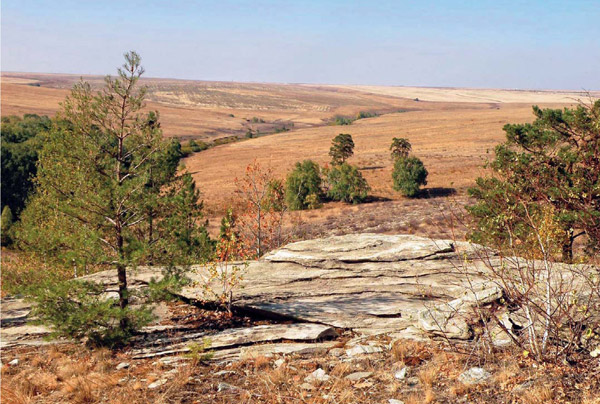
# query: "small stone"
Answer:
x=13 y=362
x=337 y=352
x=358 y=375
x=394 y=401
x=306 y=386
x=363 y=385
x=523 y=387
x=123 y=380
x=362 y=350
x=402 y=373
x=317 y=375
x=172 y=360
x=412 y=381
x=224 y=373
x=279 y=362
x=474 y=375
x=122 y=365
x=157 y=384
x=171 y=372
x=225 y=387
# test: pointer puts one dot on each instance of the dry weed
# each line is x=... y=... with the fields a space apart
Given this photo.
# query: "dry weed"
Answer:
x=539 y=394
x=262 y=362
x=409 y=352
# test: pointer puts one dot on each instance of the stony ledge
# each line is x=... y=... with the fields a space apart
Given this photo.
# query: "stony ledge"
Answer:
x=402 y=285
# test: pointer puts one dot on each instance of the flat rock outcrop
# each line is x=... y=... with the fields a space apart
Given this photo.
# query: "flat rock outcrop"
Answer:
x=369 y=283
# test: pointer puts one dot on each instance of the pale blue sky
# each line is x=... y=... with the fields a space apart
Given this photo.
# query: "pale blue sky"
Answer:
x=478 y=43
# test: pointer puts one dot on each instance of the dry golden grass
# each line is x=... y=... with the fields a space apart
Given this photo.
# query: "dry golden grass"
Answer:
x=261 y=363
x=71 y=374
x=451 y=143
x=410 y=353
x=451 y=134
x=506 y=372
x=539 y=394
x=591 y=398
x=202 y=110
x=447 y=94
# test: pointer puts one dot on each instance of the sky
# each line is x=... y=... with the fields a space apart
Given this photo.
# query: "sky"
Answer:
x=534 y=44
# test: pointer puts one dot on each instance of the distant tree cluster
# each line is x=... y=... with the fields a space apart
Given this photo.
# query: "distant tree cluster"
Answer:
x=309 y=185
x=345 y=120
x=22 y=139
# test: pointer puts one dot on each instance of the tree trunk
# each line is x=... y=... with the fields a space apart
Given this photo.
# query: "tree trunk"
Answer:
x=123 y=296
x=122 y=276
x=150 y=236
x=259 y=234
x=567 y=247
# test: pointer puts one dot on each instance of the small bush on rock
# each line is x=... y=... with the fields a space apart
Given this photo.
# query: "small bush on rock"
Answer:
x=77 y=309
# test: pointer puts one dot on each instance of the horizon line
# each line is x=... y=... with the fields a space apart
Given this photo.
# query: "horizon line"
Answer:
x=2 y=72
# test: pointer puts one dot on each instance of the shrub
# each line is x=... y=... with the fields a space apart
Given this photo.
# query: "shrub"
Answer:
x=408 y=175
x=262 y=209
x=552 y=308
x=347 y=184
x=302 y=182
x=197 y=146
x=77 y=309
x=342 y=120
x=225 y=140
x=313 y=201
x=366 y=114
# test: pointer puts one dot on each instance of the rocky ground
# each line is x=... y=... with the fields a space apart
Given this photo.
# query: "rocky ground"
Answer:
x=354 y=318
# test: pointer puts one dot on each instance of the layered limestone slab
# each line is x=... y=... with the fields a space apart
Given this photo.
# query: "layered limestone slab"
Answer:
x=369 y=283
x=240 y=337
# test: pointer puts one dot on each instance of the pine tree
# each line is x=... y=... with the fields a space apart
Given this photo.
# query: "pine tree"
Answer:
x=553 y=162
x=342 y=148
x=107 y=193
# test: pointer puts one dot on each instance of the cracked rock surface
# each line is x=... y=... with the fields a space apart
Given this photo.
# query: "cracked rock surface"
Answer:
x=368 y=283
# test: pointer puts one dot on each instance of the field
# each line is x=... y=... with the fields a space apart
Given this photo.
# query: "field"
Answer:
x=451 y=130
